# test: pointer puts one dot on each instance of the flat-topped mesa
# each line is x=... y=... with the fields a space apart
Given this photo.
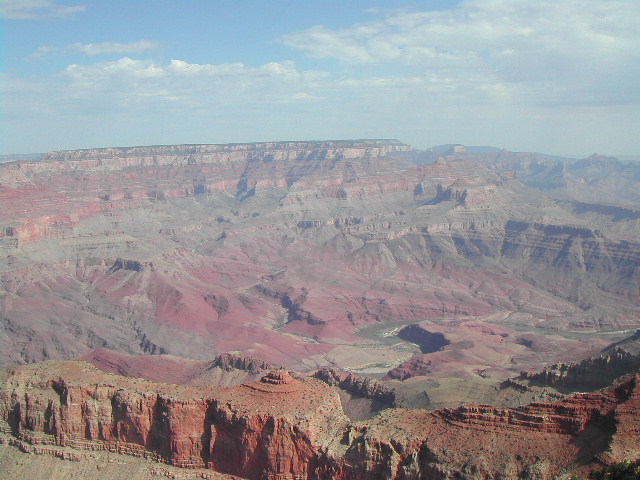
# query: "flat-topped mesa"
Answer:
x=156 y=152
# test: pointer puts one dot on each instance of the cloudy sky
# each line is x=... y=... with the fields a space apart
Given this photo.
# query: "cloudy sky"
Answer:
x=556 y=76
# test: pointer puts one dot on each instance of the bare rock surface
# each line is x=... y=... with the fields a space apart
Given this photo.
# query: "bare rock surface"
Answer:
x=317 y=254
x=225 y=370
x=284 y=428
x=38 y=462
x=469 y=348
x=620 y=358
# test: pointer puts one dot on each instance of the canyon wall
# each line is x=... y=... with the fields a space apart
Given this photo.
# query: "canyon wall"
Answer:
x=296 y=252
x=282 y=428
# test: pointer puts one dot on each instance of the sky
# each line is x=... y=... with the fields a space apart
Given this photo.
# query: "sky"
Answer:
x=553 y=76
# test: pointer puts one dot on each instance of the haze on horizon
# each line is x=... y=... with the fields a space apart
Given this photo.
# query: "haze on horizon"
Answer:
x=556 y=76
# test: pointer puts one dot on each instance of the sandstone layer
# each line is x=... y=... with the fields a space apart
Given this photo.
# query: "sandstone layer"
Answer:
x=283 y=428
x=312 y=254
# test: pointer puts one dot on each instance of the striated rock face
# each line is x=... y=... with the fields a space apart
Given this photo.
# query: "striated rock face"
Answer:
x=92 y=181
x=296 y=252
x=283 y=428
x=280 y=377
x=247 y=430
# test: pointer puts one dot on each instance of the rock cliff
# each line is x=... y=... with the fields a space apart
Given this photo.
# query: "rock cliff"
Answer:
x=364 y=387
x=283 y=428
x=246 y=430
x=619 y=359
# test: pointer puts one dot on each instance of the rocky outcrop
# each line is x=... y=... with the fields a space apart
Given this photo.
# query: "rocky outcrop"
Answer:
x=596 y=372
x=445 y=194
x=363 y=387
x=247 y=430
x=283 y=428
x=123 y=264
x=238 y=361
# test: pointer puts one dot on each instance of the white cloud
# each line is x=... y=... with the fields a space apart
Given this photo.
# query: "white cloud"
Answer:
x=139 y=85
x=46 y=51
x=304 y=97
x=107 y=48
x=129 y=83
x=36 y=9
x=557 y=76
x=185 y=71
x=579 y=51
x=92 y=49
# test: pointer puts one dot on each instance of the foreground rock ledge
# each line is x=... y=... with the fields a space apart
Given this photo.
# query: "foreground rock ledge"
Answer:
x=284 y=428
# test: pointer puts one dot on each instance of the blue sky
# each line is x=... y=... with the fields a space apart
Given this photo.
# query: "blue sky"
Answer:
x=557 y=76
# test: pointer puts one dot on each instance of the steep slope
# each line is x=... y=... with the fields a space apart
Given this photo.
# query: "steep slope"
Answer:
x=301 y=253
x=248 y=430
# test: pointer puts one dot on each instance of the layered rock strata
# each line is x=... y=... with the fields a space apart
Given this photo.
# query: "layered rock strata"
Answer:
x=296 y=252
x=283 y=428
x=275 y=428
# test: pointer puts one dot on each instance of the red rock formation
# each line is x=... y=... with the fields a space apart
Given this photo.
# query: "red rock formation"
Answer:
x=283 y=428
x=247 y=430
x=288 y=250
x=238 y=361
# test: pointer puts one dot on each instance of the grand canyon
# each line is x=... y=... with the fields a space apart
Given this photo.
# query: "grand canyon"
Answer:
x=315 y=310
